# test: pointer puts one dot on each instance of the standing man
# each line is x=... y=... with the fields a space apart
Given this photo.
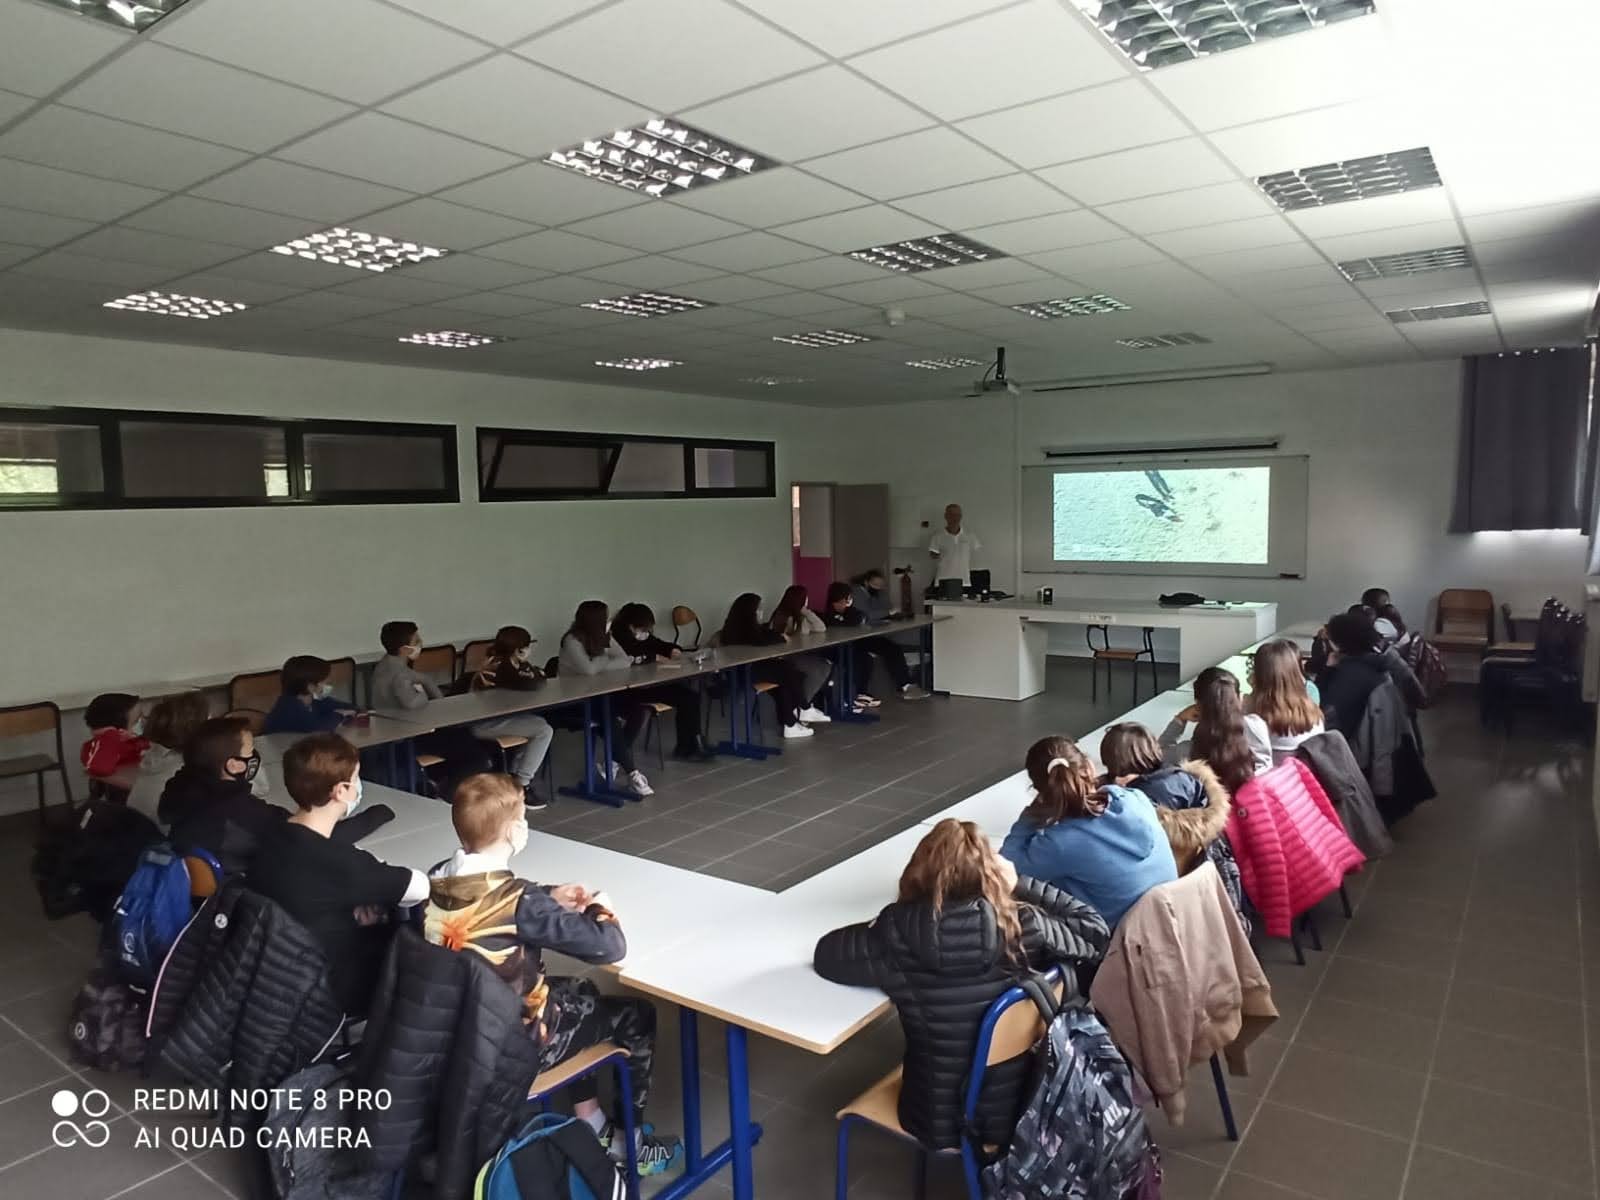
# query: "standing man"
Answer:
x=952 y=548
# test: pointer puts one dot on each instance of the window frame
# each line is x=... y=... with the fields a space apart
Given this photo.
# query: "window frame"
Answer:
x=113 y=496
x=489 y=492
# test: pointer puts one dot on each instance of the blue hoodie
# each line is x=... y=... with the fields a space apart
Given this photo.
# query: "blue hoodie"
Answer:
x=289 y=715
x=1108 y=861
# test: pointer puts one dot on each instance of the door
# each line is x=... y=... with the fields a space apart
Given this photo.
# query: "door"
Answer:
x=860 y=528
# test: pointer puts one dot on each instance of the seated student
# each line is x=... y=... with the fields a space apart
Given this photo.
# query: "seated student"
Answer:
x=1375 y=600
x=852 y=605
x=964 y=928
x=793 y=618
x=1100 y=842
x=339 y=892
x=476 y=903
x=744 y=626
x=170 y=725
x=1282 y=699
x=1225 y=736
x=634 y=629
x=587 y=648
x=1356 y=664
x=306 y=704
x=506 y=667
x=396 y=683
x=116 y=741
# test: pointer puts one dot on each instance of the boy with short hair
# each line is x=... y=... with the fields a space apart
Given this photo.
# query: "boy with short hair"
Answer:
x=307 y=704
x=477 y=904
x=397 y=684
x=339 y=892
x=116 y=739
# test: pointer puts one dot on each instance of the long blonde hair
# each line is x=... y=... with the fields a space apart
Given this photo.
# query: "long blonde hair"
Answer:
x=955 y=863
x=1278 y=690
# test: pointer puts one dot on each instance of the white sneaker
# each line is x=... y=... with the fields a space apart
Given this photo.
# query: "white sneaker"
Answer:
x=639 y=784
x=798 y=730
x=814 y=716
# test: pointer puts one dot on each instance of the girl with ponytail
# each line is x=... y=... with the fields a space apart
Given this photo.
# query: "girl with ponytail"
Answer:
x=1099 y=842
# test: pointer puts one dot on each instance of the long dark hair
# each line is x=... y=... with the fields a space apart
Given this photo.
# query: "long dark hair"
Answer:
x=837 y=591
x=789 y=616
x=1219 y=738
x=589 y=627
x=741 y=628
x=1063 y=781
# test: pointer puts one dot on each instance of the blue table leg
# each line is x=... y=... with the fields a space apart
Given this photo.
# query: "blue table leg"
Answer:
x=741 y=1130
x=689 y=1047
x=849 y=715
x=740 y=698
x=699 y=1166
x=592 y=788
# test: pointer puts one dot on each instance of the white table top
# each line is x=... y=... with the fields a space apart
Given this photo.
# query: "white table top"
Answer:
x=1104 y=604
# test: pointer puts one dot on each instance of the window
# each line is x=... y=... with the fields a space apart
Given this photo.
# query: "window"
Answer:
x=108 y=458
x=526 y=464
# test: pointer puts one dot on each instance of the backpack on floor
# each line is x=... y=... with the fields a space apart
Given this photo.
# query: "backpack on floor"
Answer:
x=551 y=1156
x=106 y=1028
x=1427 y=664
x=150 y=914
x=82 y=864
x=1082 y=1134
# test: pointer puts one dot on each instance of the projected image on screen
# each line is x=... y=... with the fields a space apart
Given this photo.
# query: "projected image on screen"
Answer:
x=1187 y=514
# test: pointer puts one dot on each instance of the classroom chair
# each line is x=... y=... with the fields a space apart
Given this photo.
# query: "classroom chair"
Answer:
x=588 y=1062
x=255 y=716
x=438 y=663
x=472 y=658
x=1011 y=1027
x=342 y=675
x=652 y=725
x=1511 y=647
x=1463 y=621
x=1108 y=654
x=682 y=617
x=258 y=690
x=205 y=874
x=21 y=720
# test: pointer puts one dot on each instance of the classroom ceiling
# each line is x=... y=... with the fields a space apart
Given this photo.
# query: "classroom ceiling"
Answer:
x=173 y=159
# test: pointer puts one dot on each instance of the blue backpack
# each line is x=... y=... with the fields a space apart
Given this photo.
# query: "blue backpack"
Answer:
x=551 y=1156
x=150 y=914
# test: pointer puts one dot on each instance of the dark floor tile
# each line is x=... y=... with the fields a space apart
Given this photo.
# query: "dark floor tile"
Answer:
x=1378 y=1035
x=25 y=1121
x=773 y=855
x=1238 y=1186
x=721 y=842
x=759 y=823
x=1404 y=915
x=1379 y=985
x=819 y=834
x=1373 y=942
x=1538 y=1074
x=1517 y=1014
x=1184 y=1177
x=1204 y=1134
x=1557 y=940
x=735 y=871
x=180 y=1183
x=1355 y=1090
x=78 y=1172
x=1548 y=1142
x=24 y=1067
x=1318 y=1157
x=685 y=854
x=1437 y=1175
x=1522 y=967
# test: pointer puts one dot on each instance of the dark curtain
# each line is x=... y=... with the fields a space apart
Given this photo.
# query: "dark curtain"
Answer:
x=1526 y=454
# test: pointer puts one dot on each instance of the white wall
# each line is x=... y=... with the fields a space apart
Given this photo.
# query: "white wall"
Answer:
x=1382 y=442
x=94 y=600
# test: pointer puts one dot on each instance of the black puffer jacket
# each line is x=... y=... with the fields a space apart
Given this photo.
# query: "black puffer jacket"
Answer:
x=242 y=1000
x=445 y=1037
x=942 y=971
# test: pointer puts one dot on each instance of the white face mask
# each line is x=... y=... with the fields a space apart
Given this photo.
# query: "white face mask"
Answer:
x=355 y=801
x=411 y=651
x=137 y=728
x=519 y=837
x=639 y=635
x=325 y=690
x=521 y=656
x=761 y=615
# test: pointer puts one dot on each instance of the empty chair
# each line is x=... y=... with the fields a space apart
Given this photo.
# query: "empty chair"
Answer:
x=258 y=690
x=24 y=720
x=1106 y=653
x=682 y=617
x=474 y=656
x=436 y=662
x=1463 y=621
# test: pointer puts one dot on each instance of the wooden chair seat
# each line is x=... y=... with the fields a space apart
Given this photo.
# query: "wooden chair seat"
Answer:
x=879 y=1104
x=580 y=1063
x=1460 y=641
x=1510 y=649
x=658 y=707
x=202 y=879
x=1117 y=654
x=26 y=764
x=510 y=741
x=428 y=760
x=761 y=689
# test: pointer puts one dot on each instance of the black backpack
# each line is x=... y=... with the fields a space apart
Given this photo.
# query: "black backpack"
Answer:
x=82 y=865
x=106 y=1028
x=1082 y=1134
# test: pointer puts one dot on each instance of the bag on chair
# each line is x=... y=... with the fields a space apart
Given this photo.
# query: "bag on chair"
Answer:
x=150 y=914
x=551 y=1156
x=1082 y=1134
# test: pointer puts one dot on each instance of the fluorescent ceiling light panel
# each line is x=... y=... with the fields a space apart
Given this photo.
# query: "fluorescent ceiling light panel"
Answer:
x=928 y=253
x=1163 y=341
x=647 y=304
x=1439 y=312
x=662 y=158
x=1417 y=262
x=943 y=364
x=1159 y=33
x=1072 y=306
x=1354 y=179
x=817 y=338
x=637 y=364
x=171 y=305
x=124 y=14
x=364 y=251
x=774 y=380
x=451 y=339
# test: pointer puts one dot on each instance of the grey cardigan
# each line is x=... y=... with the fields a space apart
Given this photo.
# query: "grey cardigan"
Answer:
x=575 y=659
x=395 y=684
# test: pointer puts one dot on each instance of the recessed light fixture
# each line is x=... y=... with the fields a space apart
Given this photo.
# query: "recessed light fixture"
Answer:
x=169 y=304
x=823 y=337
x=646 y=304
x=927 y=253
x=364 y=251
x=637 y=364
x=124 y=14
x=1438 y=312
x=943 y=364
x=1158 y=33
x=1072 y=306
x=451 y=339
x=1417 y=262
x=1354 y=179
x=662 y=158
x=774 y=380
x=1162 y=341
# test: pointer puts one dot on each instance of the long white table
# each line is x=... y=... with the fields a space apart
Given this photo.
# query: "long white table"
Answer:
x=996 y=649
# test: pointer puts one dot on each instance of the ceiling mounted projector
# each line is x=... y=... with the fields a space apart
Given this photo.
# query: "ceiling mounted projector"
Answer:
x=995 y=378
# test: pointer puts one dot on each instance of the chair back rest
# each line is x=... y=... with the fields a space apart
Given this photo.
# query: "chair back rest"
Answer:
x=1465 y=610
x=343 y=677
x=255 y=716
x=1011 y=1025
x=259 y=690
x=23 y=719
x=472 y=658
x=436 y=662
x=682 y=617
x=205 y=874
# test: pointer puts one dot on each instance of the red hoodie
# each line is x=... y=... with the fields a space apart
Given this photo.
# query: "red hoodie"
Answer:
x=110 y=749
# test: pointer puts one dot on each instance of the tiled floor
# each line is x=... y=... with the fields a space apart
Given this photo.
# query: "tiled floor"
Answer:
x=1439 y=1048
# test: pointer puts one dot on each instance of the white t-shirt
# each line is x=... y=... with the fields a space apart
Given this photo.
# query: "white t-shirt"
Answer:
x=955 y=551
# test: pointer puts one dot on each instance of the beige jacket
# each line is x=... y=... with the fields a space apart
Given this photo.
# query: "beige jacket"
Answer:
x=1180 y=983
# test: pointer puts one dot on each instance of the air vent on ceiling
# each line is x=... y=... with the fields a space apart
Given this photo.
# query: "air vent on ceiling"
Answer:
x=1416 y=262
x=1439 y=312
x=1163 y=341
x=1353 y=179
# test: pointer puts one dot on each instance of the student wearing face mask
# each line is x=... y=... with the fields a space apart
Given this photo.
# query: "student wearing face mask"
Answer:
x=865 y=601
x=634 y=629
x=746 y=625
x=397 y=684
x=477 y=902
x=506 y=667
x=307 y=704
x=343 y=895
